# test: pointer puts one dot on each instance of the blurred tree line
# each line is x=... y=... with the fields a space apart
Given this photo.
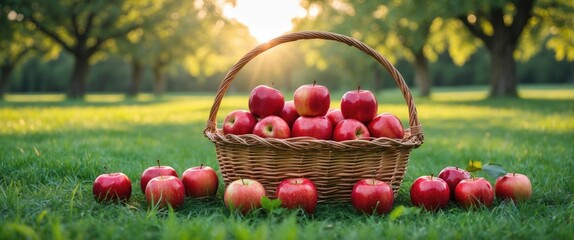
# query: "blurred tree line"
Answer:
x=171 y=45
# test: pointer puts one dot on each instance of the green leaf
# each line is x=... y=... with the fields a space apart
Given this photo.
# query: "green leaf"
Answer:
x=494 y=170
x=270 y=204
x=474 y=166
x=401 y=211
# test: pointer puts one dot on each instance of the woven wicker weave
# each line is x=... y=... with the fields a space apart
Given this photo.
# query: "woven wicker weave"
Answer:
x=334 y=167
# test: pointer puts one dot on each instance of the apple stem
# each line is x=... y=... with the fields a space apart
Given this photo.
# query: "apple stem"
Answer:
x=314 y=82
x=201 y=166
x=158 y=164
x=242 y=182
x=106 y=170
x=431 y=176
x=514 y=174
x=359 y=88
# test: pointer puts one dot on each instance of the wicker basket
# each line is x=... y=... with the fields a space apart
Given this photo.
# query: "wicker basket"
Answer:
x=334 y=167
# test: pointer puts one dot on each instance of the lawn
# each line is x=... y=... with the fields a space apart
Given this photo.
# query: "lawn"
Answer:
x=51 y=150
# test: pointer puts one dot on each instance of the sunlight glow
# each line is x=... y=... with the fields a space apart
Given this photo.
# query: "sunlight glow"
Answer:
x=265 y=19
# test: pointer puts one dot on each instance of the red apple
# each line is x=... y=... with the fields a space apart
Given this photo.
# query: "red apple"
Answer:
x=335 y=116
x=431 y=193
x=272 y=127
x=239 y=122
x=298 y=193
x=317 y=127
x=371 y=195
x=165 y=191
x=386 y=125
x=112 y=187
x=266 y=101
x=200 y=181
x=289 y=113
x=474 y=192
x=312 y=100
x=513 y=186
x=244 y=195
x=359 y=105
x=452 y=176
x=350 y=129
x=155 y=171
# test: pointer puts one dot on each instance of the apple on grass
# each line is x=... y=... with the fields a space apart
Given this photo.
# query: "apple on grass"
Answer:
x=335 y=116
x=272 y=127
x=474 y=192
x=289 y=113
x=452 y=176
x=243 y=195
x=372 y=196
x=386 y=125
x=164 y=191
x=430 y=193
x=266 y=101
x=155 y=171
x=360 y=105
x=297 y=193
x=200 y=181
x=513 y=186
x=112 y=187
x=312 y=100
x=239 y=122
x=317 y=127
x=350 y=129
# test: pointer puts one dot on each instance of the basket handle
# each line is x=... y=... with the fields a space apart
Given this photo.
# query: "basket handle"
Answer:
x=416 y=133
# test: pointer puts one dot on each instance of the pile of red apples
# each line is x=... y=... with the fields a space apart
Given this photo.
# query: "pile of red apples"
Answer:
x=309 y=115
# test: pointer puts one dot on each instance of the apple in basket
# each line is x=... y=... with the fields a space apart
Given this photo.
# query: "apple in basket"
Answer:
x=317 y=127
x=452 y=176
x=243 y=195
x=312 y=100
x=298 y=193
x=431 y=193
x=272 y=127
x=350 y=129
x=289 y=113
x=155 y=171
x=112 y=187
x=386 y=125
x=200 y=181
x=266 y=101
x=164 y=191
x=372 y=196
x=239 y=122
x=359 y=105
x=474 y=192
x=513 y=186
x=335 y=116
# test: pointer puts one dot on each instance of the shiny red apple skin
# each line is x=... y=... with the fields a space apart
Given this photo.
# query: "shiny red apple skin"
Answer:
x=289 y=113
x=386 y=125
x=200 y=181
x=298 y=193
x=371 y=195
x=360 y=105
x=112 y=187
x=514 y=186
x=317 y=127
x=265 y=101
x=243 y=195
x=272 y=127
x=165 y=191
x=452 y=176
x=430 y=193
x=350 y=129
x=335 y=116
x=312 y=100
x=474 y=192
x=239 y=122
x=153 y=172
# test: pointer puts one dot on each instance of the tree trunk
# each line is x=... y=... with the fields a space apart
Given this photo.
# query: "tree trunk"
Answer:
x=4 y=75
x=503 y=69
x=77 y=84
x=159 y=81
x=422 y=75
x=137 y=74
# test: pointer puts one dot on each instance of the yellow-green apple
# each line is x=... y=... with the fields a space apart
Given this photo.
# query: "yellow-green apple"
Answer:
x=289 y=113
x=452 y=176
x=272 y=127
x=335 y=116
x=513 y=186
x=112 y=187
x=312 y=100
x=165 y=191
x=200 y=181
x=386 y=125
x=297 y=193
x=359 y=105
x=474 y=192
x=350 y=129
x=372 y=196
x=430 y=193
x=317 y=127
x=155 y=171
x=239 y=122
x=266 y=101
x=243 y=195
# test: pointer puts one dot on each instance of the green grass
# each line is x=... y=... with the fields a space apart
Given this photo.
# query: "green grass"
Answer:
x=51 y=150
